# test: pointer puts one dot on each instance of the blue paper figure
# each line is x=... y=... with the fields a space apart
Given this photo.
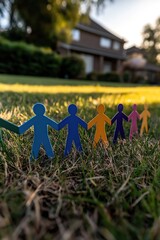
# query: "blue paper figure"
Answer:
x=73 y=135
x=119 y=127
x=40 y=123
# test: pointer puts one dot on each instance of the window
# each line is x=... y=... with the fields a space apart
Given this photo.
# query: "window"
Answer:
x=105 y=42
x=75 y=35
x=116 y=45
x=107 y=67
x=89 y=62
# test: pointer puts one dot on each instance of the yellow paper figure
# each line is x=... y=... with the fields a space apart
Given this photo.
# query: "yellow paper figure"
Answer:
x=144 y=116
x=100 y=120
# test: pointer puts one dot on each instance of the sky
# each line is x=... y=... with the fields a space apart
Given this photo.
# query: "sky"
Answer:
x=126 y=18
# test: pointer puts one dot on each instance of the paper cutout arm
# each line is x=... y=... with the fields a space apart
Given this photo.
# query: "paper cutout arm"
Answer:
x=92 y=122
x=125 y=117
x=141 y=115
x=8 y=125
x=114 y=119
x=63 y=123
x=82 y=123
x=148 y=114
x=25 y=126
x=130 y=117
x=138 y=115
x=107 y=120
x=52 y=123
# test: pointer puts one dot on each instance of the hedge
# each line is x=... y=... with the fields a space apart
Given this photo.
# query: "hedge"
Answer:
x=72 y=67
x=20 y=58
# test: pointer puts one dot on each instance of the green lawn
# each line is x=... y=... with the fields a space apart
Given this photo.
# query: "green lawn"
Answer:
x=10 y=79
x=100 y=194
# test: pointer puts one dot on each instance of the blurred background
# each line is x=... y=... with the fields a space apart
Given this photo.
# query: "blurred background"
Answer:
x=97 y=40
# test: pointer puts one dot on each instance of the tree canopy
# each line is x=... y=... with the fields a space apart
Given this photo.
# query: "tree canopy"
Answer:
x=44 y=22
x=151 y=42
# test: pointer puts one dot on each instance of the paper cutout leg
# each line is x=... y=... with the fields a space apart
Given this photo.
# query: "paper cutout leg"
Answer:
x=133 y=131
x=47 y=145
x=68 y=146
x=97 y=137
x=36 y=147
x=115 y=136
x=144 y=127
x=122 y=134
x=40 y=123
x=78 y=144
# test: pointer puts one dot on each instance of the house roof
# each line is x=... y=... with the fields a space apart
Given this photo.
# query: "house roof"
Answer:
x=148 y=66
x=134 y=49
x=152 y=67
x=93 y=27
x=109 y=53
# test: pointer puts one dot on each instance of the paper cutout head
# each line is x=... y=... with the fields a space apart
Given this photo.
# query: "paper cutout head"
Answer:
x=72 y=109
x=120 y=107
x=39 y=109
x=134 y=107
x=101 y=109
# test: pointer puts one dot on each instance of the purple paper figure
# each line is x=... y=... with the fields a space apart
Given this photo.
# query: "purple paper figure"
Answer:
x=73 y=121
x=119 y=117
x=40 y=123
x=134 y=116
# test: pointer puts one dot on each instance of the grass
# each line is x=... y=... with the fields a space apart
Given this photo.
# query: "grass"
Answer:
x=101 y=194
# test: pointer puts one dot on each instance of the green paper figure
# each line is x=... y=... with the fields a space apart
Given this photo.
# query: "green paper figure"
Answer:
x=8 y=125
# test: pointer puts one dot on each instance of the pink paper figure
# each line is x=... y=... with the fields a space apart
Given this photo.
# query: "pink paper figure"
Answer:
x=134 y=116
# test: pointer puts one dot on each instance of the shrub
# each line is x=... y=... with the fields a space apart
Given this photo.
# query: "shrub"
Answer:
x=72 y=67
x=127 y=77
x=25 y=59
x=93 y=76
x=109 y=77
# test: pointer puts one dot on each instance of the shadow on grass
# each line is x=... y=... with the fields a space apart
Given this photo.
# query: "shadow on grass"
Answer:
x=46 y=81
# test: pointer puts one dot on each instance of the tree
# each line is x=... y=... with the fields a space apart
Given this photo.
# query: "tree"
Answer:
x=151 y=42
x=44 y=22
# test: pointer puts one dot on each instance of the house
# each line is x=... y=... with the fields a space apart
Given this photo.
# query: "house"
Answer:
x=137 y=66
x=101 y=50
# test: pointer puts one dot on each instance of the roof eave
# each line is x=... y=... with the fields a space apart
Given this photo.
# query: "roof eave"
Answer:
x=114 y=55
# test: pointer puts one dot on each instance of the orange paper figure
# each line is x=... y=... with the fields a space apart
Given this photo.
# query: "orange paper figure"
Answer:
x=144 y=116
x=100 y=120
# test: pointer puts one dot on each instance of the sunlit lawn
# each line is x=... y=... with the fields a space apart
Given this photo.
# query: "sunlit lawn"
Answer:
x=101 y=194
x=111 y=93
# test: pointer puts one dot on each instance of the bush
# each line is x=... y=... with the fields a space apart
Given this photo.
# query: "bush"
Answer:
x=72 y=67
x=93 y=76
x=138 y=79
x=25 y=59
x=127 y=77
x=109 y=77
